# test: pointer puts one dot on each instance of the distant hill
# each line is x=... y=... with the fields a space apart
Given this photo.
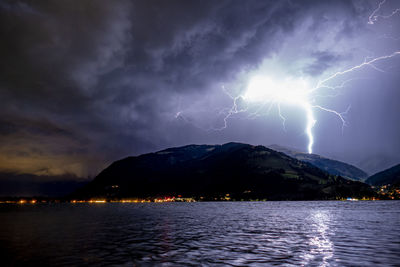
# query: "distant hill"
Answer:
x=389 y=176
x=331 y=166
x=241 y=170
x=28 y=185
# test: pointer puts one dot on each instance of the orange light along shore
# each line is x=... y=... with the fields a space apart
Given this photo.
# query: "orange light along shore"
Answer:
x=99 y=201
x=179 y=198
x=136 y=200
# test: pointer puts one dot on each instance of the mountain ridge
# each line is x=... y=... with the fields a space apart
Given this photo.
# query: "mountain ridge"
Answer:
x=385 y=177
x=213 y=170
x=331 y=166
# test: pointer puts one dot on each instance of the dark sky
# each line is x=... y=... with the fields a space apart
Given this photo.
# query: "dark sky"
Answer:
x=84 y=83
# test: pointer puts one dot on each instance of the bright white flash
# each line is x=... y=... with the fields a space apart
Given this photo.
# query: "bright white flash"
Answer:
x=297 y=91
x=292 y=91
x=263 y=89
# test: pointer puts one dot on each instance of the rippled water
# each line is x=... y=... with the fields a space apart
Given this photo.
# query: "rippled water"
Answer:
x=326 y=233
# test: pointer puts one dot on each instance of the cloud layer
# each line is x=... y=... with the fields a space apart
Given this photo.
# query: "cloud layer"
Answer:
x=85 y=83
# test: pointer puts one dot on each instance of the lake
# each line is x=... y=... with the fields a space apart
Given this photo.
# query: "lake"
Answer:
x=298 y=233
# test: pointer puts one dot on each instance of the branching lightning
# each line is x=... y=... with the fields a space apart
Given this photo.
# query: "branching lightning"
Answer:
x=374 y=17
x=365 y=63
x=265 y=90
x=296 y=92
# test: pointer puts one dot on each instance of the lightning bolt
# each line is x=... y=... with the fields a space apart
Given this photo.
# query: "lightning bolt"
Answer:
x=233 y=110
x=310 y=94
x=307 y=106
x=365 y=63
x=310 y=124
x=321 y=84
x=373 y=17
x=282 y=117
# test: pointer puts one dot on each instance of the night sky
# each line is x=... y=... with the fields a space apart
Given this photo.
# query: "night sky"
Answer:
x=84 y=83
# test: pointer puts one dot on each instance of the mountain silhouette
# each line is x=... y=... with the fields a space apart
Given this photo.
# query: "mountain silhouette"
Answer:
x=207 y=171
x=331 y=166
x=389 y=176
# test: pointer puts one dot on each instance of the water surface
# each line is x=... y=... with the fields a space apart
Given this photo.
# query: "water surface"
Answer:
x=315 y=233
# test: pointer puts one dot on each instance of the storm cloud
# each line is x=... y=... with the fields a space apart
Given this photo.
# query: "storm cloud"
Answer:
x=84 y=83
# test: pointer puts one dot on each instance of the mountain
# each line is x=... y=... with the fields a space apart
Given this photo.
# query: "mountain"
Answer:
x=329 y=165
x=389 y=176
x=29 y=185
x=207 y=171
